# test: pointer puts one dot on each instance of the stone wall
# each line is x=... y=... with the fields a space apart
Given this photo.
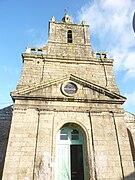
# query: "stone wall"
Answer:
x=105 y=139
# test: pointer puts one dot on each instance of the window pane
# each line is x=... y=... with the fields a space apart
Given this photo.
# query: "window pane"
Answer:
x=69 y=36
x=64 y=134
x=63 y=131
x=70 y=88
x=75 y=135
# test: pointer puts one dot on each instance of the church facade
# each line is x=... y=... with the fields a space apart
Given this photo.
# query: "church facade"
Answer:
x=68 y=122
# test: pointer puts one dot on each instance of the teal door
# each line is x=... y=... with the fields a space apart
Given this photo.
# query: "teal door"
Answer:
x=69 y=155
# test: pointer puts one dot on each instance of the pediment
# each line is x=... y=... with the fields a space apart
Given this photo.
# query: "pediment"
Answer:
x=53 y=89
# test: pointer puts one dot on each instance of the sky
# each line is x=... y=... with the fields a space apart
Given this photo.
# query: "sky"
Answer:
x=25 y=23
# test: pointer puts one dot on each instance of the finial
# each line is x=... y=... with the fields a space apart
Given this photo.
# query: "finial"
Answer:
x=83 y=22
x=53 y=19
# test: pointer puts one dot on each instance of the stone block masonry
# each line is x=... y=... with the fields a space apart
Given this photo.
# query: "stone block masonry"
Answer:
x=68 y=121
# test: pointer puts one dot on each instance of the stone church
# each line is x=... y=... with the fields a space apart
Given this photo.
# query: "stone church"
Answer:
x=67 y=118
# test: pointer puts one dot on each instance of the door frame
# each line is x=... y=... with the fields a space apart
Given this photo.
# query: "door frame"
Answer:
x=69 y=141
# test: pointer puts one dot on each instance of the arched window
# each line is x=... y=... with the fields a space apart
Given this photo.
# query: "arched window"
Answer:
x=75 y=135
x=69 y=36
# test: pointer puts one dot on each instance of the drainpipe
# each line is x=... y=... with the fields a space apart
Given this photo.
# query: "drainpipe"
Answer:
x=36 y=144
x=106 y=80
x=52 y=145
x=42 y=73
x=93 y=147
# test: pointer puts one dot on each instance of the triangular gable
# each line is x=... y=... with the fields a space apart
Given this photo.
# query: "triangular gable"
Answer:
x=97 y=88
x=35 y=87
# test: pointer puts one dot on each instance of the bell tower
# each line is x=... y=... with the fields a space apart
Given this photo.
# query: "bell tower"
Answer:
x=68 y=120
x=71 y=39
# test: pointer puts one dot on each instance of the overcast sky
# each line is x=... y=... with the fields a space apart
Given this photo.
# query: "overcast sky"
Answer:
x=25 y=23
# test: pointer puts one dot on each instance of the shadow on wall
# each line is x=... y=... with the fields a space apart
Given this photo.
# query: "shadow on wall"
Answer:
x=5 y=123
x=131 y=144
x=130 y=177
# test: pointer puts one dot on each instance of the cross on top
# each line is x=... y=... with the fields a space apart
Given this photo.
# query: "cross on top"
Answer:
x=66 y=11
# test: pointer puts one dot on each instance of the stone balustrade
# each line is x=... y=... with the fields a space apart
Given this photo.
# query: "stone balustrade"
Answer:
x=34 y=50
x=101 y=55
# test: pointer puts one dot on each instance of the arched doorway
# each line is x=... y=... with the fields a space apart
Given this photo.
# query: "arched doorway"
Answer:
x=70 y=164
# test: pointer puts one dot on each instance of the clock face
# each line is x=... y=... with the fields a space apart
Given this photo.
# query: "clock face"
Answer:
x=69 y=88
